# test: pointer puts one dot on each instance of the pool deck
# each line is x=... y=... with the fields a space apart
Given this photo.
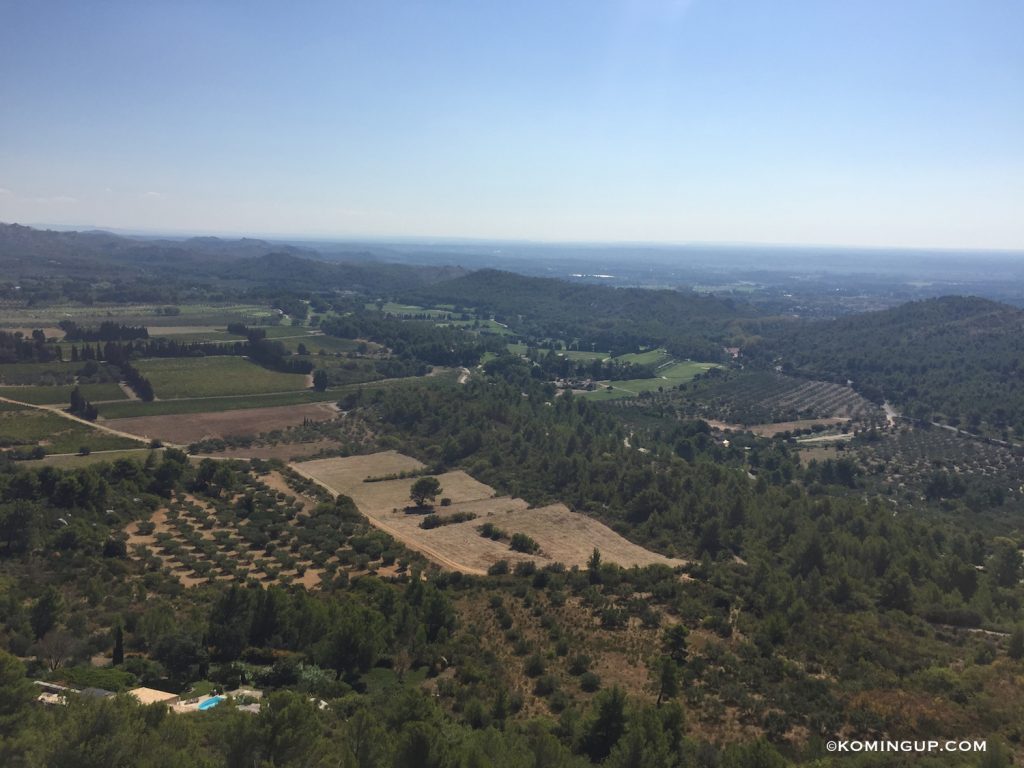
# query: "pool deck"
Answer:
x=195 y=703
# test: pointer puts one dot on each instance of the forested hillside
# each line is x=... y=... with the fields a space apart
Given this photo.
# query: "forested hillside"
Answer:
x=954 y=359
x=801 y=615
x=51 y=265
x=688 y=324
x=301 y=273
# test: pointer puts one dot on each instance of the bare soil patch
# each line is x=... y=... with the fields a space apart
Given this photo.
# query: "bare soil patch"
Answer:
x=189 y=428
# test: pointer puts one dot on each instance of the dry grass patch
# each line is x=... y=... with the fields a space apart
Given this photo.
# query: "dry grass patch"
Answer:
x=770 y=430
x=390 y=495
x=570 y=538
x=564 y=536
x=344 y=473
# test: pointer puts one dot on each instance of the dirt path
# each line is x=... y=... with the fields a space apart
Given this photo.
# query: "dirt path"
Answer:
x=824 y=439
x=71 y=417
x=891 y=414
x=128 y=391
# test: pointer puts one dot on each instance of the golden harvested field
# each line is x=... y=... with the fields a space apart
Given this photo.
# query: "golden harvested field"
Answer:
x=355 y=469
x=564 y=536
x=570 y=537
x=188 y=428
x=391 y=495
x=770 y=430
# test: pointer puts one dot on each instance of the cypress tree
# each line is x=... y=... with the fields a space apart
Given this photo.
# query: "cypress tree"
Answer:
x=118 y=644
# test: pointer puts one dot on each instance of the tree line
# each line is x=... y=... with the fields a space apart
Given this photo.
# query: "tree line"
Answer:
x=108 y=330
x=413 y=339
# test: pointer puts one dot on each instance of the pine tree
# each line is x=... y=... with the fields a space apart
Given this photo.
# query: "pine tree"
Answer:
x=1016 y=648
x=668 y=680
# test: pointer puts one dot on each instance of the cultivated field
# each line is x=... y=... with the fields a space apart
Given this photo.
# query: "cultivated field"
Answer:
x=130 y=409
x=271 y=531
x=185 y=330
x=777 y=428
x=188 y=335
x=215 y=376
x=75 y=461
x=215 y=315
x=563 y=536
x=200 y=426
x=61 y=394
x=28 y=427
x=55 y=372
x=571 y=354
x=648 y=357
x=910 y=458
x=762 y=398
x=668 y=376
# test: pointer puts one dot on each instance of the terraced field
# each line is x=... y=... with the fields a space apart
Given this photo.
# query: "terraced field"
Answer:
x=767 y=397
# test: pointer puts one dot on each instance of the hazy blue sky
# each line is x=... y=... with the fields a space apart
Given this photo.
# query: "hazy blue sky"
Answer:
x=888 y=122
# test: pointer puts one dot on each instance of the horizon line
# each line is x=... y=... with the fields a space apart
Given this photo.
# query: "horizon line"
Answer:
x=476 y=240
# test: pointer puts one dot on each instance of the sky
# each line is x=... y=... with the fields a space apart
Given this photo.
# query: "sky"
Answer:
x=867 y=123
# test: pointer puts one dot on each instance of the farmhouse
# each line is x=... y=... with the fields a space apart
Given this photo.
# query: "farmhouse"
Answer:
x=153 y=696
x=53 y=693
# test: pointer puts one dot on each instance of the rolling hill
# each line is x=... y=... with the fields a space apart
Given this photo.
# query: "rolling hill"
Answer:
x=953 y=359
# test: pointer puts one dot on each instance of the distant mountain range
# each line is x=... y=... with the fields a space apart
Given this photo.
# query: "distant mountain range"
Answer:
x=26 y=252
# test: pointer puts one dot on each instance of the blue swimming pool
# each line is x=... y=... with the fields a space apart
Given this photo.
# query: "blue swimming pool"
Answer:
x=211 y=703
